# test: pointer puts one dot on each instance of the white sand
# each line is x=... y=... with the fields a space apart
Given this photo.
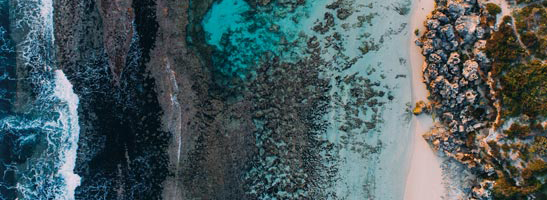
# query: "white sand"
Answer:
x=424 y=180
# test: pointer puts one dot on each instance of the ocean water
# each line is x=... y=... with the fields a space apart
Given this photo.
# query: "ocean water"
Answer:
x=38 y=140
x=370 y=139
x=245 y=36
x=372 y=56
x=7 y=60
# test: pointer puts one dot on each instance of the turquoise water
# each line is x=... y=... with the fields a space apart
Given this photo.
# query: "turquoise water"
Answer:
x=243 y=35
x=362 y=156
x=223 y=17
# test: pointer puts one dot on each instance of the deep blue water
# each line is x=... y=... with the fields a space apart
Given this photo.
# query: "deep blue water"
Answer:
x=39 y=122
x=7 y=60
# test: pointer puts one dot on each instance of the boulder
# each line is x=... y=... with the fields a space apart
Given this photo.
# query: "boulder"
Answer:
x=466 y=27
x=455 y=70
x=441 y=17
x=470 y=70
x=454 y=45
x=482 y=58
x=434 y=58
x=448 y=32
x=431 y=34
x=470 y=95
x=480 y=32
x=419 y=43
x=455 y=9
x=463 y=82
x=428 y=47
x=442 y=54
x=454 y=59
x=432 y=24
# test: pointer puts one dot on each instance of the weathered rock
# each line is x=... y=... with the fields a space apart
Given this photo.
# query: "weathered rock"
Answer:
x=470 y=95
x=455 y=9
x=454 y=59
x=432 y=24
x=470 y=70
x=480 y=32
x=419 y=43
x=448 y=32
x=441 y=17
x=434 y=58
x=466 y=27
x=428 y=47
x=431 y=34
x=482 y=58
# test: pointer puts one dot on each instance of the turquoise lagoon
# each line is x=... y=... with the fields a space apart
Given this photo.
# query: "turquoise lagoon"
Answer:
x=242 y=35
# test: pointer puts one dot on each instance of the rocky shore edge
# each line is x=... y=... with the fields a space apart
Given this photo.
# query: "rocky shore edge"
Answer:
x=456 y=75
x=467 y=48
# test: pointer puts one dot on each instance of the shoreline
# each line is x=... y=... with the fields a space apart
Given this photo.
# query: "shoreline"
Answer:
x=424 y=175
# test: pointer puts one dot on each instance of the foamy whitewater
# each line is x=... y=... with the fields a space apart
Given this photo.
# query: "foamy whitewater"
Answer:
x=44 y=135
x=68 y=119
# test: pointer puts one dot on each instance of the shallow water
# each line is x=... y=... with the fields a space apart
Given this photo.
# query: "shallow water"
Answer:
x=372 y=139
x=243 y=35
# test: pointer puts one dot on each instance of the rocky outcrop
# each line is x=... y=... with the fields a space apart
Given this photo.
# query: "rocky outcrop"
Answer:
x=452 y=73
x=118 y=30
x=456 y=74
x=121 y=138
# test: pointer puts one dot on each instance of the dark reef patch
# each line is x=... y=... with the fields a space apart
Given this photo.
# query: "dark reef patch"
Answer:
x=122 y=152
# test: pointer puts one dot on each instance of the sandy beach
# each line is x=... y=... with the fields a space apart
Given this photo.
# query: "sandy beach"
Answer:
x=424 y=179
x=390 y=160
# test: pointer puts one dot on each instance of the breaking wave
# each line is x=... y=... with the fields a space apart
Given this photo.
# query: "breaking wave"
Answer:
x=39 y=139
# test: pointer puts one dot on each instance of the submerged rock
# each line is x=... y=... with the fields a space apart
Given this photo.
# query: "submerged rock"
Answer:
x=343 y=13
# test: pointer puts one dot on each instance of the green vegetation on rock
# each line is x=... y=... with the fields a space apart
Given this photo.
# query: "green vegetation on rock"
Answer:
x=493 y=9
x=524 y=90
x=531 y=24
x=539 y=146
x=522 y=77
x=507 y=189
x=518 y=51
x=517 y=130
x=503 y=47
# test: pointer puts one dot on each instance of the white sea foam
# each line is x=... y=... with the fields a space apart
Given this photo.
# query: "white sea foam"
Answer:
x=49 y=172
x=68 y=119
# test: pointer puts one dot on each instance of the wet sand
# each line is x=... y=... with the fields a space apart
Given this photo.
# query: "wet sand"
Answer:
x=424 y=179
